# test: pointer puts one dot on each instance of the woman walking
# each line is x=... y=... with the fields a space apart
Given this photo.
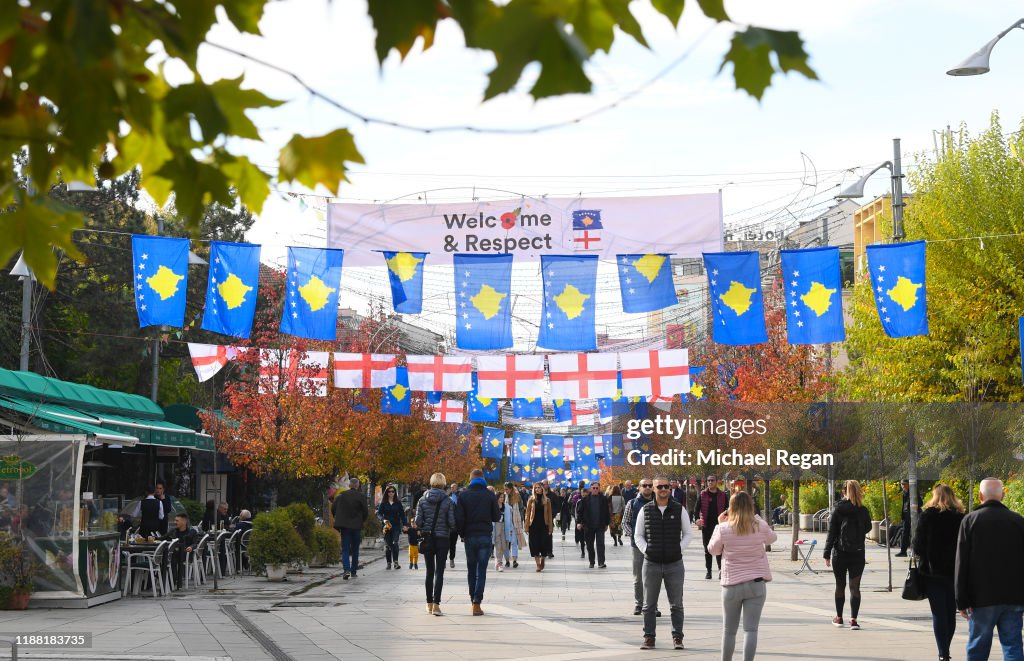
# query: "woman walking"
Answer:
x=435 y=519
x=501 y=530
x=691 y=502
x=580 y=537
x=850 y=522
x=618 y=505
x=565 y=516
x=514 y=525
x=538 y=525
x=740 y=538
x=392 y=519
x=935 y=548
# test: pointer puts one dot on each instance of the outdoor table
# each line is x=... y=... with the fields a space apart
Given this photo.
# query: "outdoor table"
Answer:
x=805 y=548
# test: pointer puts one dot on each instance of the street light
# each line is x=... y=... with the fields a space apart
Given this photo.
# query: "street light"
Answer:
x=856 y=189
x=977 y=63
x=27 y=277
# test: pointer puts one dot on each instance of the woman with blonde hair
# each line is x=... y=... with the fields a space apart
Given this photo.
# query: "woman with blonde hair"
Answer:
x=539 y=524
x=740 y=539
x=935 y=547
x=435 y=520
x=850 y=523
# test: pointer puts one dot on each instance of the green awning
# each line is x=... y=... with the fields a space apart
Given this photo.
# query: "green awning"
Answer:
x=150 y=432
x=62 y=420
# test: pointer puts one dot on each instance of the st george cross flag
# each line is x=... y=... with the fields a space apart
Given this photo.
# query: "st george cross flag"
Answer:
x=311 y=374
x=614 y=452
x=493 y=445
x=208 y=359
x=483 y=312
x=528 y=408
x=538 y=449
x=161 y=278
x=405 y=271
x=481 y=409
x=734 y=284
x=568 y=315
x=444 y=373
x=522 y=448
x=898 y=281
x=231 y=288
x=311 y=303
x=646 y=282
x=659 y=373
x=364 y=370
x=510 y=376
x=583 y=375
x=570 y=448
x=814 y=295
x=274 y=371
x=449 y=410
x=553 y=450
x=574 y=413
x=396 y=399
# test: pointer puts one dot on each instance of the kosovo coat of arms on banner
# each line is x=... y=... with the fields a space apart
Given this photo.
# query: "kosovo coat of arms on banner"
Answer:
x=586 y=229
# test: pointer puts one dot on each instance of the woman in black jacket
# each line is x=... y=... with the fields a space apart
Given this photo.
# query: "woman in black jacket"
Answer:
x=850 y=523
x=935 y=548
x=435 y=520
x=392 y=520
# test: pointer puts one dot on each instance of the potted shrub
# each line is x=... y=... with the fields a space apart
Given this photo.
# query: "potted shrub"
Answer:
x=303 y=520
x=18 y=570
x=326 y=547
x=275 y=544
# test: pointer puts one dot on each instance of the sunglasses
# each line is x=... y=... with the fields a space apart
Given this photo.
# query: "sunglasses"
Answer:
x=663 y=486
x=646 y=486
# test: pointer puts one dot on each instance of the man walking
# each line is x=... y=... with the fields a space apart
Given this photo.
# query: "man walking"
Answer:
x=629 y=492
x=990 y=576
x=593 y=514
x=474 y=516
x=453 y=538
x=905 y=537
x=678 y=493
x=713 y=501
x=350 y=512
x=629 y=515
x=662 y=532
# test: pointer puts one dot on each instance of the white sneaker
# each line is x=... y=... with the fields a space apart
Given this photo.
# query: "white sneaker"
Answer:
x=499 y=567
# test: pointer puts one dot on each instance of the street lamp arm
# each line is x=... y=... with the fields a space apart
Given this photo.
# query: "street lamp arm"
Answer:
x=977 y=63
x=856 y=189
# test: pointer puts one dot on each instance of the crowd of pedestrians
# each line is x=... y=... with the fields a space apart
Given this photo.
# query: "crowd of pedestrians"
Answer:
x=970 y=564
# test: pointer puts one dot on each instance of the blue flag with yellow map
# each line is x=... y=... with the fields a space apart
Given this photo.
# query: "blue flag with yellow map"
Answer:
x=734 y=284
x=697 y=388
x=493 y=444
x=311 y=302
x=814 y=295
x=161 y=278
x=528 y=408
x=481 y=409
x=396 y=399
x=483 y=308
x=567 y=318
x=552 y=450
x=231 y=288
x=897 y=280
x=522 y=448
x=464 y=434
x=646 y=282
x=492 y=470
x=614 y=450
x=405 y=271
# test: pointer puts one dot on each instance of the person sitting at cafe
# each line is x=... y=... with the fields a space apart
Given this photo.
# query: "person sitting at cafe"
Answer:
x=152 y=513
x=187 y=539
x=209 y=516
x=223 y=520
x=244 y=521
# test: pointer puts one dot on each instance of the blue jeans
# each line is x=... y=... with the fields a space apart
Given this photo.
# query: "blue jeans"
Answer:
x=1008 y=620
x=350 y=538
x=478 y=556
x=943 y=605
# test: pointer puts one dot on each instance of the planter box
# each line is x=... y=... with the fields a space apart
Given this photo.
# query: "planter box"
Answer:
x=806 y=521
x=276 y=572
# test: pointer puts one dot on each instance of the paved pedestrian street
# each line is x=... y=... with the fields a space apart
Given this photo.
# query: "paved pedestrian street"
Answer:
x=567 y=612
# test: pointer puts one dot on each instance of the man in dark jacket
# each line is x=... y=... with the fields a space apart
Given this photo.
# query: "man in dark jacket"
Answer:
x=990 y=574
x=152 y=514
x=593 y=514
x=476 y=512
x=350 y=511
x=712 y=502
x=556 y=507
x=905 y=513
x=187 y=539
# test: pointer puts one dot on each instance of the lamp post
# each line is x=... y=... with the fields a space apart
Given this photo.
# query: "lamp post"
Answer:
x=977 y=63
x=27 y=277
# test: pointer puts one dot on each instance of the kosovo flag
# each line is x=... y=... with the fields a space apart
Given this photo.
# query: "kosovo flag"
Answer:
x=567 y=321
x=608 y=407
x=814 y=295
x=646 y=282
x=464 y=434
x=585 y=449
x=405 y=271
x=522 y=448
x=614 y=451
x=563 y=410
x=231 y=288
x=528 y=408
x=311 y=304
x=538 y=470
x=586 y=219
x=517 y=473
x=642 y=409
x=433 y=396
x=492 y=470
x=358 y=399
x=552 y=450
x=161 y=278
x=396 y=399
x=696 y=386
x=494 y=443
x=586 y=469
x=481 y=409
x=642 y=445
x=734 y=283
x=483 y=313
x=897 y=279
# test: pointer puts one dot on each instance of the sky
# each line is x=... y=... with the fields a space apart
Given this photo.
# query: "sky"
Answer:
x=882 y=76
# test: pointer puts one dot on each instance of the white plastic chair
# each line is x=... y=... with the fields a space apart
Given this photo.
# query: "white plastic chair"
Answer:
x=243 y=553
x=149 y=565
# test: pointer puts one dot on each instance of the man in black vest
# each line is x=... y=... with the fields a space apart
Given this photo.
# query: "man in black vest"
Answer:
x=593 y=514
x=662 y=531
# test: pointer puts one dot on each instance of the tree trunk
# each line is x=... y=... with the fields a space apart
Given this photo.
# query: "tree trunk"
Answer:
x=796 y=520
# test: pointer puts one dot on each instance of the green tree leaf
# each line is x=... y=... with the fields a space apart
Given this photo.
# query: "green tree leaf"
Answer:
x=196 y=185
x=37 y=226
x=245 y=14
x=750 y=55
x=399 y=23
x=319 y=160
x=714 y=9
x=251 y=182
x=670 y=9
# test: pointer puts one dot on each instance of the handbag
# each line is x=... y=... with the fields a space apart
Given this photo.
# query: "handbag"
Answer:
x=914 y=588
x=426 y=544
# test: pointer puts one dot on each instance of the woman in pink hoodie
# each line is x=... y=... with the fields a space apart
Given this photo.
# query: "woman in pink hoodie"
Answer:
x=740 y=538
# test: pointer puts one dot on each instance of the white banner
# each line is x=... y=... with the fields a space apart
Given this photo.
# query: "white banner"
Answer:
x=684 y=225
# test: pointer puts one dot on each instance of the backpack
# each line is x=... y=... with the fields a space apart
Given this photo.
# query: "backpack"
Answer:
x=850 y=536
